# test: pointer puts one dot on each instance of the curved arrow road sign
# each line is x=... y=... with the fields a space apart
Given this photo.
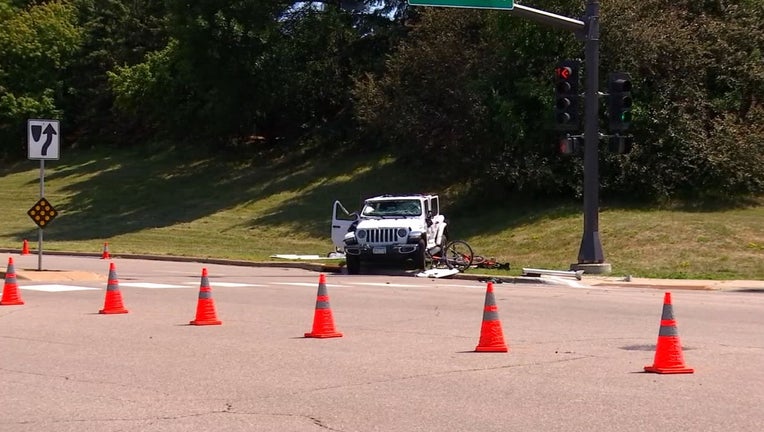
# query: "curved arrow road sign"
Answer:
x=43 y=139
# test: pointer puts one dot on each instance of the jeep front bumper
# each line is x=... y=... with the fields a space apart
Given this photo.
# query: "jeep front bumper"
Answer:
x=381 y=251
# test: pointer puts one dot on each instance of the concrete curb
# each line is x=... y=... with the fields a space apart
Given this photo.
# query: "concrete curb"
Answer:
x=588 y=280
x=285 y=264
x=307 y=265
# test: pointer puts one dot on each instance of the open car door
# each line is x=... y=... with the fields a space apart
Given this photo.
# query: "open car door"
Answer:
x=341 y=222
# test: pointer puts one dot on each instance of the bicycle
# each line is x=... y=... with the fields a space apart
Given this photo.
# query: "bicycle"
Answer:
x=457 y=255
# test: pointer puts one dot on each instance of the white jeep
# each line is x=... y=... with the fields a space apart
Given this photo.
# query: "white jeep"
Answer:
x=389 y=229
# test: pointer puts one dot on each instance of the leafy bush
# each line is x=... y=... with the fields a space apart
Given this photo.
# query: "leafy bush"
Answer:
x=36 y=45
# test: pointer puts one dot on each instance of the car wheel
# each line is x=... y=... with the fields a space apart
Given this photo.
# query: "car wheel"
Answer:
x=353 y=263
x=419 y=257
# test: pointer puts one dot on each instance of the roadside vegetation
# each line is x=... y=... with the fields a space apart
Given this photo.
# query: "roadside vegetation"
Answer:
x=165 y=200
x=228 y=128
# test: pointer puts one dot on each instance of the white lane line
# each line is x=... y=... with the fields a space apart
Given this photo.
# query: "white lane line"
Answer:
x=308 y=284
x=568 y=282
x=56 y=288
x=149 y=285
x=385 y=284
x=226 y=284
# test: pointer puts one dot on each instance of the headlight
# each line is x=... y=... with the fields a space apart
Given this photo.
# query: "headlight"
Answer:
x=402 y=232
x=415 y=235
x=361 y=234
x=350 y=238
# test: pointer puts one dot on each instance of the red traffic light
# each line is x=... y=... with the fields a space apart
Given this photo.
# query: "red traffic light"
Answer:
x=563 y=72
x=566 y=97
x=568 y=145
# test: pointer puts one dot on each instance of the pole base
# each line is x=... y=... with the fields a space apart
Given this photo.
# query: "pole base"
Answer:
x=598 y=268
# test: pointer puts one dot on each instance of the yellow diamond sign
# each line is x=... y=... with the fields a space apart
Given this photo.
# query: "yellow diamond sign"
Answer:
x=42 y=213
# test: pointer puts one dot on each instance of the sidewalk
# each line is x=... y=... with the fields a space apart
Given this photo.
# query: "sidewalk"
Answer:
x=634 y=282
x=677 y=284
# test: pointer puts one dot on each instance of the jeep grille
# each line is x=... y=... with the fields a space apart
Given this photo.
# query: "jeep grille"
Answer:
x=382 y=236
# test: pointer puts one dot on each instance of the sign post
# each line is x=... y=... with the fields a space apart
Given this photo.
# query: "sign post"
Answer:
x=42 y=144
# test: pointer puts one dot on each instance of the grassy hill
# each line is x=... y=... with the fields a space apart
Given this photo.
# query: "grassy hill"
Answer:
x=168 y=200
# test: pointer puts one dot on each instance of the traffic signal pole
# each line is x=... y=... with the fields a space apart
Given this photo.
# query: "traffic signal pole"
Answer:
x=590 y=256
x=591 y=259
x=548 y=18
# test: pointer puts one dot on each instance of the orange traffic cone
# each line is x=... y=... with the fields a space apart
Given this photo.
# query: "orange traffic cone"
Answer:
x=323 y=319
x=105 y=254
x=25 y=248
x=113 y=301
x=491 y=334
x=668 y=351
x=11 y=294
x=205 y=307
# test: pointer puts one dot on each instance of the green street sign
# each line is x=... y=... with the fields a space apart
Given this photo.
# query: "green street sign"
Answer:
x=474 y=4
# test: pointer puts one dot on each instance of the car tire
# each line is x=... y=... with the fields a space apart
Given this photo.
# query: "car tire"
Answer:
x=353 y=263
x=419 y=257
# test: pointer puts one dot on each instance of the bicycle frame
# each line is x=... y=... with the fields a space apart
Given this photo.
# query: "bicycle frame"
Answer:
x=456 y=255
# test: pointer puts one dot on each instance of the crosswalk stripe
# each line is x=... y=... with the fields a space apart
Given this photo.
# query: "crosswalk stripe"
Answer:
x=228 y=284
x=56 y=288
x=213 y=284
x=568 y=282
x=385 y=284
x=307 y=284
x=149 y=285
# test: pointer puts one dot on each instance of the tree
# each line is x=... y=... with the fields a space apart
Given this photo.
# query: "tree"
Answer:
x=699 y=92
x=116 y=33
x=37 y=43
x=470 y=90
x=249 y=69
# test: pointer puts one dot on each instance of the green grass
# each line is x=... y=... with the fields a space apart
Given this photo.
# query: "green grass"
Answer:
x=170 y=201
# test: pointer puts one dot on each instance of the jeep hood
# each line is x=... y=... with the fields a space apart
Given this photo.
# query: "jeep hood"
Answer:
x=414 y=224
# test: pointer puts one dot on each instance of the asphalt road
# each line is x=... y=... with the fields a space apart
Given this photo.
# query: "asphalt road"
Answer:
x=406 y=361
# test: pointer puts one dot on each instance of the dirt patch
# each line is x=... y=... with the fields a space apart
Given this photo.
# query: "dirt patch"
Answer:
x=58 y=275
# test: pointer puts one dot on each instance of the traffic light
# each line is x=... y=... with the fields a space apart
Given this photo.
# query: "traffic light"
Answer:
x=619 y=144
x=619 y=101
x=569 y=145
x=566 y=97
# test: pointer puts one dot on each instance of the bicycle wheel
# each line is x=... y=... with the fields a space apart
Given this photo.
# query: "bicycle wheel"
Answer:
x=459 y=255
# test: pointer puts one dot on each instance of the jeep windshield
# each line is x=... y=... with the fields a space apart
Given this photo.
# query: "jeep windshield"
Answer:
x=392 y=208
